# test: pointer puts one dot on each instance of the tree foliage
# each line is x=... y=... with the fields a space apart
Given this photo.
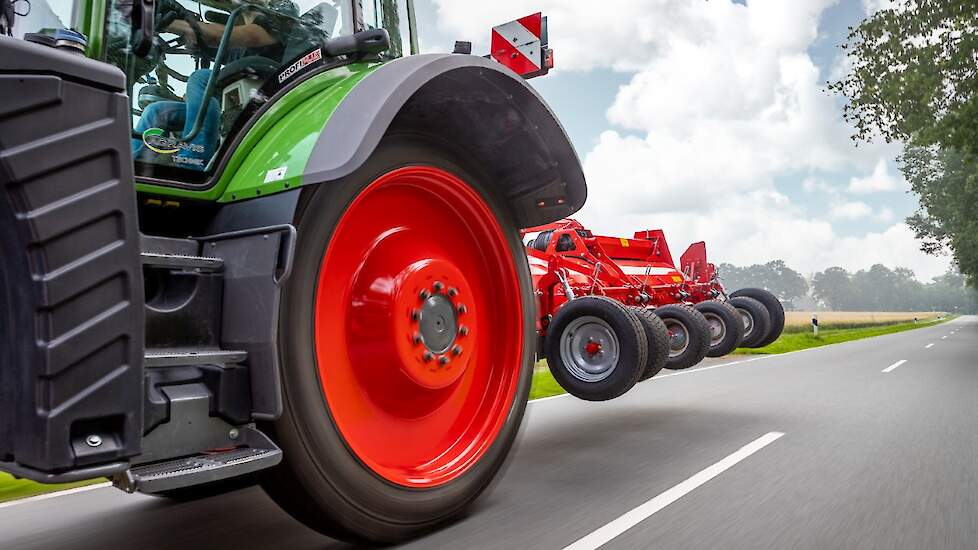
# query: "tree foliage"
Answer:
x=914 y=74
x=882 y=289
x=913 y=77
x=947 y=185
x=774 y=276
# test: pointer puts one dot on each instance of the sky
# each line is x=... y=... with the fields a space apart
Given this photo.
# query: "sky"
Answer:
x=709 y=119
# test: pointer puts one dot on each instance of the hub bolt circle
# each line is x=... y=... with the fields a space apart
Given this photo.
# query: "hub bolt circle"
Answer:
x=463 y=330
x=428 y=356
x=452 y=291
x=424 y=294
x=443 y=360
x=437 y=286
x=457 y=350
x=462 y=309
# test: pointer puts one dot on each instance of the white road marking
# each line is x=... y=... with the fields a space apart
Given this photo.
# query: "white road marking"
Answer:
x=58 y=494
x=895 y=365
x=637 y=515
x=928 y=346
x=944 y=337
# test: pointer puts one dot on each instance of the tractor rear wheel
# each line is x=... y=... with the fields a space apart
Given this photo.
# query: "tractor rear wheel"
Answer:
x=726 y=326
x=689 y=335
x=774 y=308
x=657 y=336
x=596 y=348
x=406 y=346
x=757 y=320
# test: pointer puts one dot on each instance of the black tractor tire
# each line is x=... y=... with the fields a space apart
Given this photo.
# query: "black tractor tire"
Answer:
x=322 y=481
x=757 y=320
x=774 y=309
x=726 y=326
x=657 y=336
x=615 y=328
x=689 y=335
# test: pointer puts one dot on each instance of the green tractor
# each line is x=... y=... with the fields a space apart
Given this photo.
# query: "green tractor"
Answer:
x=264 y=241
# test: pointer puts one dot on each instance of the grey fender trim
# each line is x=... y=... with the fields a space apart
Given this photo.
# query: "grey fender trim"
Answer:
x=473 y=103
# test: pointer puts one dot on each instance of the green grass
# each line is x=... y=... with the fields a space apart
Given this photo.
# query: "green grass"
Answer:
x=12 y=488
x=830 y=335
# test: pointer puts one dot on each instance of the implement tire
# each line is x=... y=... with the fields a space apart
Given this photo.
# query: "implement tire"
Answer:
x=689 y=335
x=726 y=326
x=774 y=309
x=757 y=320
x=596 y=348
x=657 y=336
x=406 y=345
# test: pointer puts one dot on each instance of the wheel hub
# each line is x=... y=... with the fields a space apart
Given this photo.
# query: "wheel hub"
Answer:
x=589 y=349
x=678 y=338
x=717 y=329
x=438 y=323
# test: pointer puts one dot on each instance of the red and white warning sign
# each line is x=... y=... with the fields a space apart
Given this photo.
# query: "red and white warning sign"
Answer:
x=521 y=45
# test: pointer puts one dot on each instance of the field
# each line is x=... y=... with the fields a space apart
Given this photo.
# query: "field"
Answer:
x=800 y=321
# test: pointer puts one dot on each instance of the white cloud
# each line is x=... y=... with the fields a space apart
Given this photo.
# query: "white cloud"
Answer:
x=723 y=100
x=880 y=180
x=850 y=211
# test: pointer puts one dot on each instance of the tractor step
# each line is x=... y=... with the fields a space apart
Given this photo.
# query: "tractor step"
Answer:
x=257 y=454
x=196 y=357
x=200 y=264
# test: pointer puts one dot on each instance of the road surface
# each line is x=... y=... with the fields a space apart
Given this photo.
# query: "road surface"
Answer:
x=867 y=459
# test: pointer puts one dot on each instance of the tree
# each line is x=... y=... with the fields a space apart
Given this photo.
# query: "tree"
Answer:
x=833 y=288
x=947 y=185
x=774 y=276
x=912 y=76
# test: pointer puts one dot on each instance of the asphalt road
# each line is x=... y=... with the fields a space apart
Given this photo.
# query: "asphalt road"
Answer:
x=867 y=459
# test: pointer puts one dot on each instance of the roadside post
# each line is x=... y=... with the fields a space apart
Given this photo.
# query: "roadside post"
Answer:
x=815 y=322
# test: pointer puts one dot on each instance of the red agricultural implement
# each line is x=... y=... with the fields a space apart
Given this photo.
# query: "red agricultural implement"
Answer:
x=598 y=297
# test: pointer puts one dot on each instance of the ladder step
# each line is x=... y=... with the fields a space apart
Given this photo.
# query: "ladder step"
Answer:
x=201 y=468
x=180 y=261
x=196 y=357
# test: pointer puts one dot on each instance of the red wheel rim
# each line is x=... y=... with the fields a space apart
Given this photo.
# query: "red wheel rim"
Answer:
x=418 y=327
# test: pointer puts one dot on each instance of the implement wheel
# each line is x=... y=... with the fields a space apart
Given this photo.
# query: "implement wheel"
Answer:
x=406 y=343
x=596 y=348
x=757 y=320
x=657 y=336
x=726 y=326
x=774 y=309
x=689 y=335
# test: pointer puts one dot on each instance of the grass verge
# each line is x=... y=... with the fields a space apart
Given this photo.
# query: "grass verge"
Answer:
x=795 y=341
x=12 y=488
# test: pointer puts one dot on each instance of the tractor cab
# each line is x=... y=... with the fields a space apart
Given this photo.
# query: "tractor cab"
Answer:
x=200 y=72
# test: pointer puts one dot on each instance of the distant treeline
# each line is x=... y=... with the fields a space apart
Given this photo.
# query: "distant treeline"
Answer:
x=878 y=288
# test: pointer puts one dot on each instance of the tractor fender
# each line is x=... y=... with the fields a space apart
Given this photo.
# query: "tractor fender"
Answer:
x=471 y=102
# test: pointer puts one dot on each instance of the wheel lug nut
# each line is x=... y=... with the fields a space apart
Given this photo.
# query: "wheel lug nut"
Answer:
x=443 y=360
x=462 y=309
x=424 y=294
x=437 y=286
x=415 y=315
x=463 y=330
x=457 y=350
x=428 y=356
x=452 y=291
x=417 y=338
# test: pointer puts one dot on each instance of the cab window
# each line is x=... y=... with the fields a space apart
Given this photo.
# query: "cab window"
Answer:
x=213 y=63
x=38 y=15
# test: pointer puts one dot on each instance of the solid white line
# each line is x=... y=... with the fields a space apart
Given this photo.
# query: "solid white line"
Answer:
x=895 y=365
x=928 y=346
x=57 y=494
x=635 y=516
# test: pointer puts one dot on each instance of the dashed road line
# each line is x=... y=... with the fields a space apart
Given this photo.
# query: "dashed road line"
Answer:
x=930 y=345
x=894 y=365
x=633 y=517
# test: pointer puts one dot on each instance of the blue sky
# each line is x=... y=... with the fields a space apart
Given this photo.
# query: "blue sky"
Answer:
x=710 y=120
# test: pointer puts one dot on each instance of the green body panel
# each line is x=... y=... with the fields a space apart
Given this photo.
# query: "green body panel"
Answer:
x=283 y=137
x=89 y=19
